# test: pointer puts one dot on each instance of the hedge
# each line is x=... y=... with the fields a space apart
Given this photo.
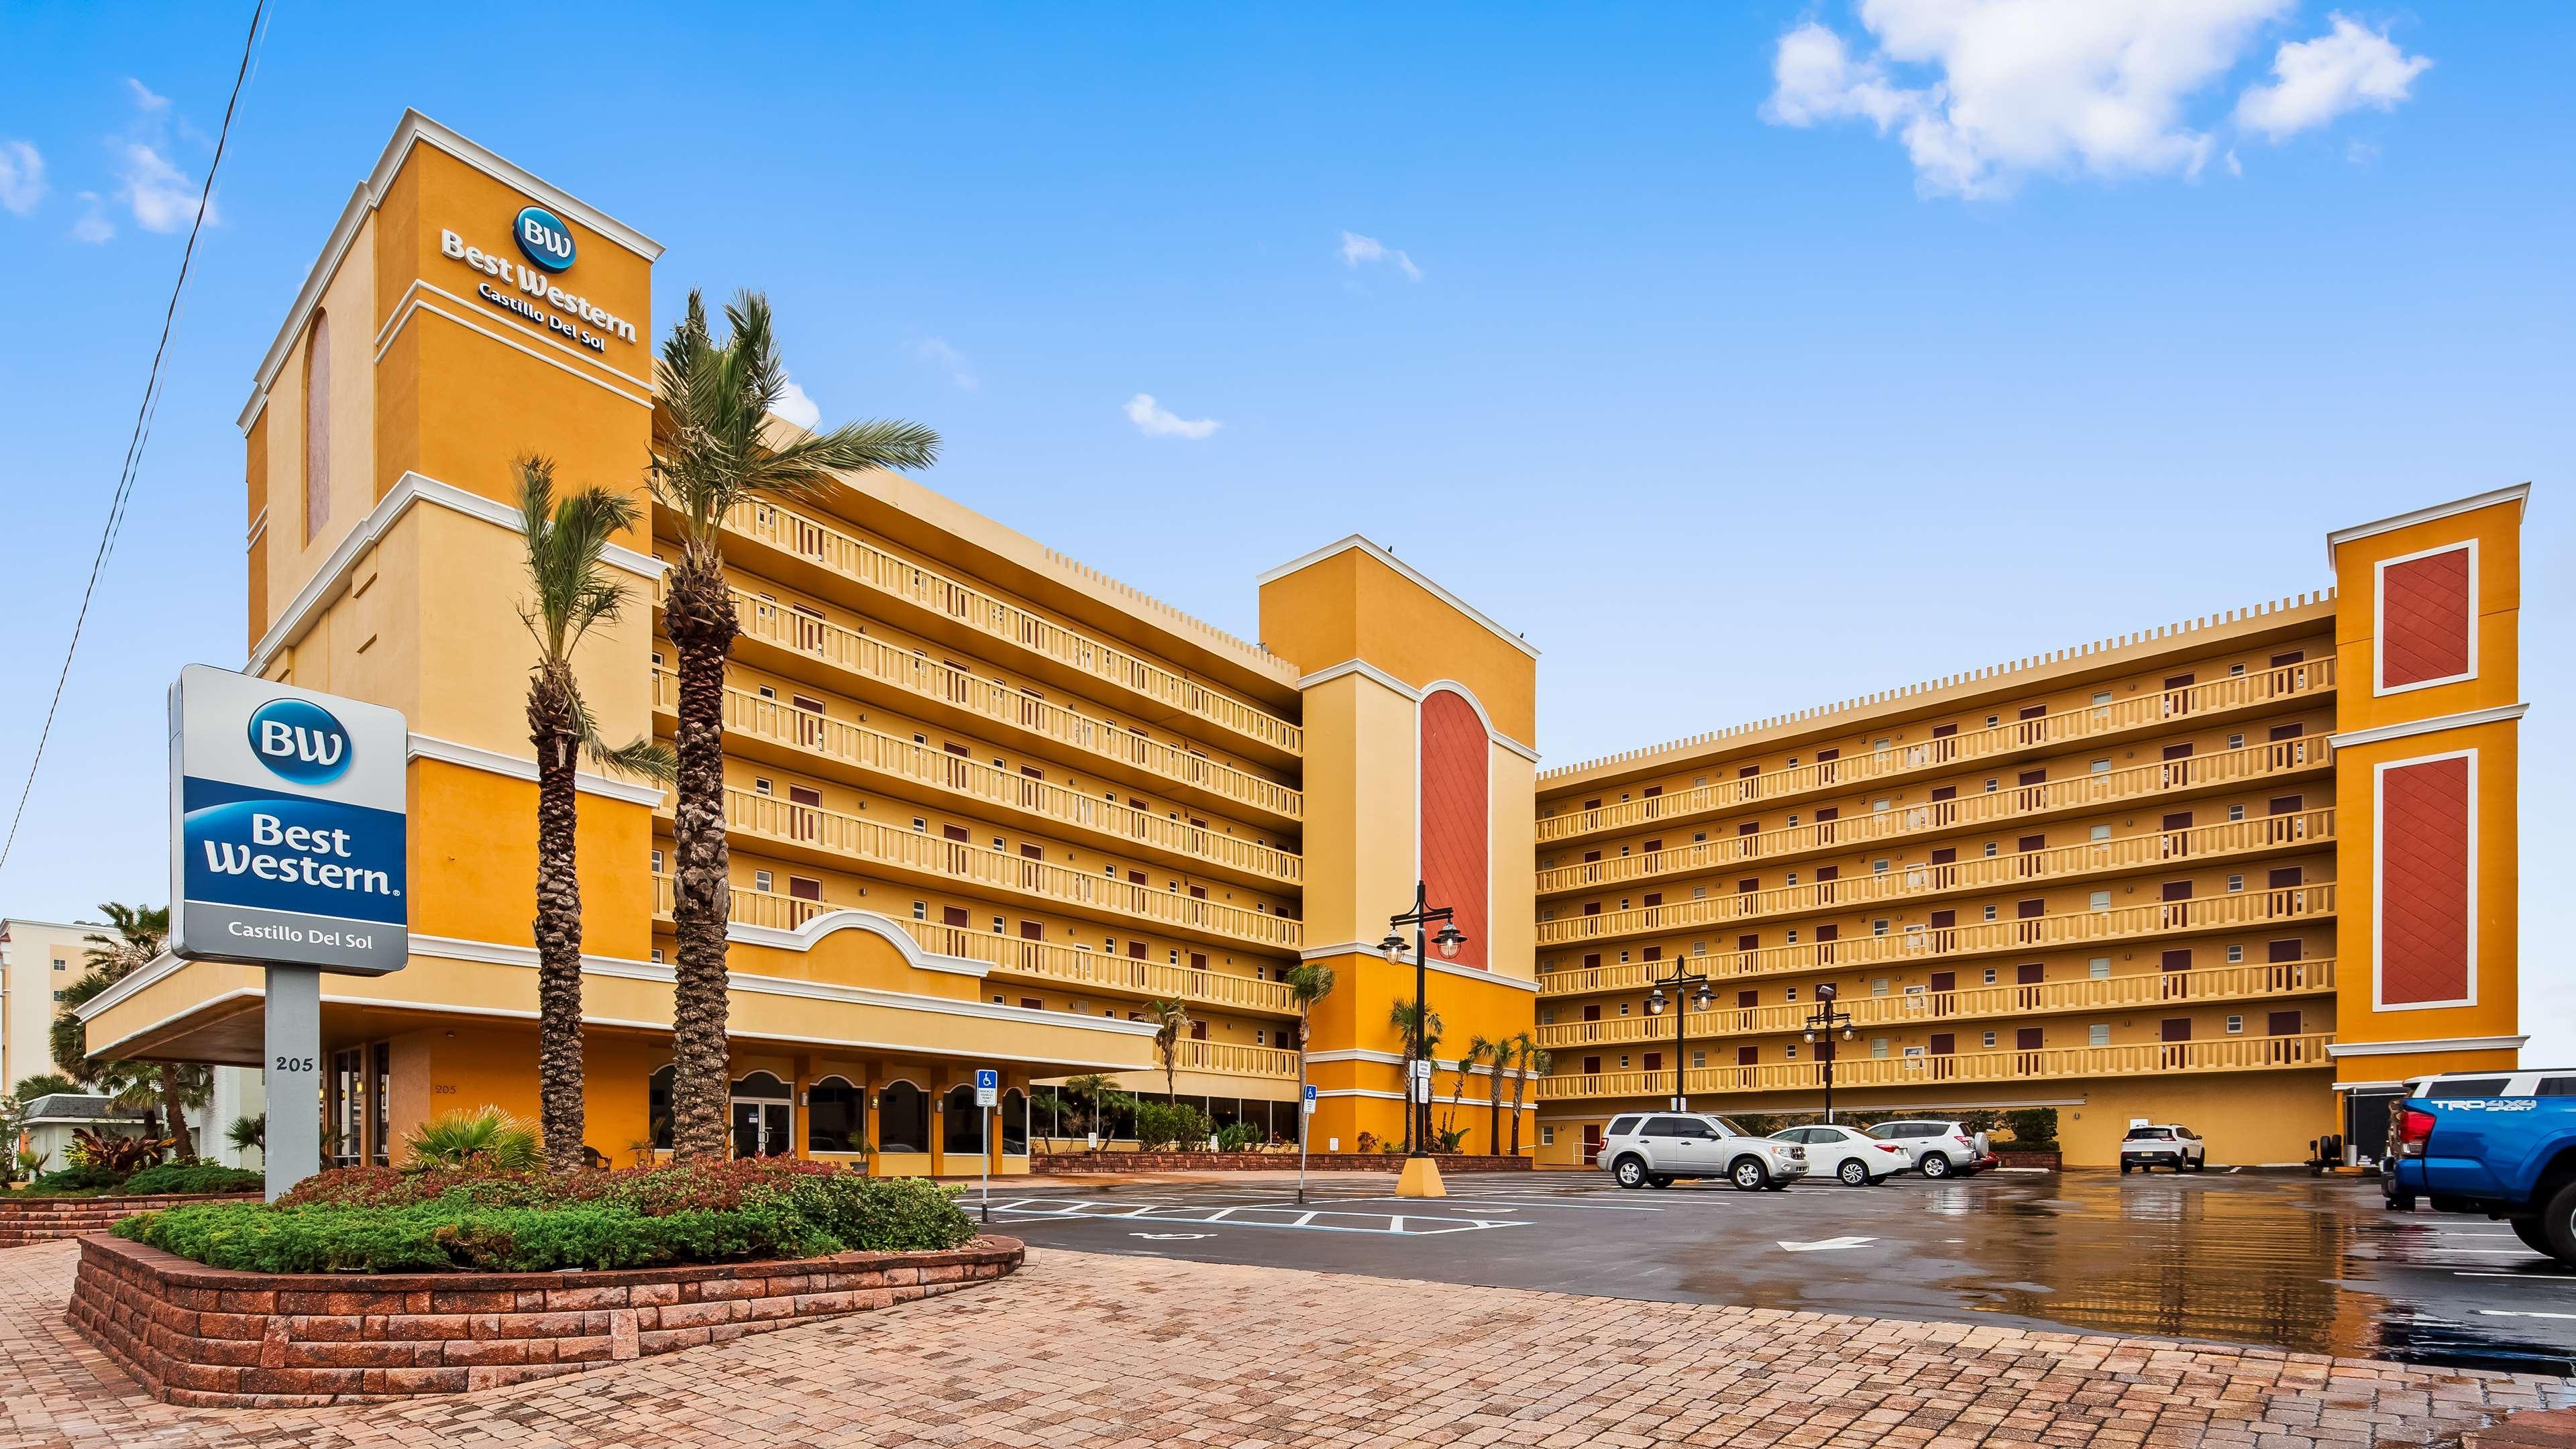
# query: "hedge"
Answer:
x=375 y=1220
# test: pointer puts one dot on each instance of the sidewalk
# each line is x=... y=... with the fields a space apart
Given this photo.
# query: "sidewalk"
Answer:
x=1082 y=1350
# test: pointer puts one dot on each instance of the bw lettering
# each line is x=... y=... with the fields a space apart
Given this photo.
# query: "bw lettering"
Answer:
x=281 y=741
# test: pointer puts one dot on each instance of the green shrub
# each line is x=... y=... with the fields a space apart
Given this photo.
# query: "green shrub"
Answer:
x=75 y=1179
x=192 y=1177
x=376 y=1220
x=484 y=1137
x=1237 y=1136
x=2034 y=1129
x=1161 y=1124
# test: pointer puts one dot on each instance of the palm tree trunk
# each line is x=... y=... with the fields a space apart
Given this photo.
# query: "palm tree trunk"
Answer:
x=1520 y=1084
x=554 y=727
x=1412 y=1114
x=698 y=612
x=1494 y=1129
x=183 y=1148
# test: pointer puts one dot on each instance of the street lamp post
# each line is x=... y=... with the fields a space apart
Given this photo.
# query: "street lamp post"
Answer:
x=1421 y=1175
x=1682 y=976
x=1824 y=1019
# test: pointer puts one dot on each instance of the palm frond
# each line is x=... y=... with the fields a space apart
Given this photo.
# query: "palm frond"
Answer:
x=567 y=540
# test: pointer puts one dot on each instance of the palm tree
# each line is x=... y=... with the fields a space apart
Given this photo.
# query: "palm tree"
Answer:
x=1307 y=984
x=1404 y=1019
x=716 y=447
x=1535 y=1060
x=1171 y=1020
x=566 y=539
x=1097 y=1091
x=140 y=932
x=1501 y=1051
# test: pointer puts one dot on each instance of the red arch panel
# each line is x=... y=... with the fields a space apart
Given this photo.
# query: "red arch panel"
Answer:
x=1456 y=833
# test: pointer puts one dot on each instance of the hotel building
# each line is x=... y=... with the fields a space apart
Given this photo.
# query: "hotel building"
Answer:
x=986 y=805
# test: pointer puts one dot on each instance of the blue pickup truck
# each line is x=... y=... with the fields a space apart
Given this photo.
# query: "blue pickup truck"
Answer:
x=2498 y=1143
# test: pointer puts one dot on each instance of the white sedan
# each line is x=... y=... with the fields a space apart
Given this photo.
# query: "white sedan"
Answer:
x=1855 y=1159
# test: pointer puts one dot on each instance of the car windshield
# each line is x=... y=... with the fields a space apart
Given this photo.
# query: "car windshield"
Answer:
x=2155 y=1134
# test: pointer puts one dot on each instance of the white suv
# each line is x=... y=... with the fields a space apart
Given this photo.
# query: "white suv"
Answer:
x=2152 y=1145
x=1938 y=1149
x=1651 y=1149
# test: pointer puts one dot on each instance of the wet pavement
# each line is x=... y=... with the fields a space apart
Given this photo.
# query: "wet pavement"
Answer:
x=2277 y=1259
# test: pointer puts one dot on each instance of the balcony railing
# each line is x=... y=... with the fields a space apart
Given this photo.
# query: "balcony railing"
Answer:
x=1915 y=1006
x=861 y=748
x=2161 y=709
x=2005 y=803
x=2298 y=829
x=873 y=568
x=2230 y=1054
x=1068 y=966
x=928 y=679
x=867 y=842
x=1241 y=1061
x=2240 y=910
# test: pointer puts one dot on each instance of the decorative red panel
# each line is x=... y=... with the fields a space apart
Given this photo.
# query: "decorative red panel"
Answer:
x=2425 y=893
x=1456 y=801
x=2425 y=614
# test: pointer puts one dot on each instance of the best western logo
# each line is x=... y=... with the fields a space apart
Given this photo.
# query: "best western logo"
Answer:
x=299 y=741
x=534 y=284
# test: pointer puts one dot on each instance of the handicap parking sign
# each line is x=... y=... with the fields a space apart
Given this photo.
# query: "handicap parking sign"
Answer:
x=988 y=1086
x=1310 y=1101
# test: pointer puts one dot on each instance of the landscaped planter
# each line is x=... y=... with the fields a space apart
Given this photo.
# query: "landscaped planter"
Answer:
x=1075 y=1162
x=212 y=1336
x=2051 y=1159
x=27 y=1219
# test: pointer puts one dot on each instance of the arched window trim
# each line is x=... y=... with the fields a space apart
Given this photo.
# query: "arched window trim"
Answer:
x=317 y=425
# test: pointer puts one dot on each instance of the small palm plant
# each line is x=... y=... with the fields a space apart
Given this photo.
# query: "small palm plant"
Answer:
x=1171 y=1020
x=1535 y=1060
x=139 y=934
x=715 y=446
x=1500 y=1052
x=1421 y=1042
x=249 y=1134
x=567 y=541
x=1307 y=985
x=486 y=1137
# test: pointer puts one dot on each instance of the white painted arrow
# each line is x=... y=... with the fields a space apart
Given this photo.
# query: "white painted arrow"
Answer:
x=1160 y=1236
x=1825 y=1245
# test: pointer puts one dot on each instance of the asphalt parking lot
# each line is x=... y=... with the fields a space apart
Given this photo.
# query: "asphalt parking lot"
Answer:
x=2280 y=1259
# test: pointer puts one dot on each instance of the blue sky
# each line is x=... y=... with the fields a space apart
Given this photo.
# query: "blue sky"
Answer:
x=1631 y=325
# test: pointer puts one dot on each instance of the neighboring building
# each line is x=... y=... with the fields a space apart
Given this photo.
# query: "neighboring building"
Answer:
x=37 y=960
x=2209 y=874
x=987 y=805
x=51 y=1122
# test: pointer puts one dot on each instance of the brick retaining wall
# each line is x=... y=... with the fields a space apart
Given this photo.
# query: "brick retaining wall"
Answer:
x=2051 y=1159
x=27 y=1219
x=215 y=1337
x=1076 y=1162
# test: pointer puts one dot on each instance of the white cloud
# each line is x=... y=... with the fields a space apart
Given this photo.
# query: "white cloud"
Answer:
x=93 y=226
x=162 y=197
x=145 y=100
x=2234 y=166
x=2348 y=67
x=22 y=177
x=939 y=354
x=796 y=407
x=1156 y=421
x=1358 y=250
x=1984 y=92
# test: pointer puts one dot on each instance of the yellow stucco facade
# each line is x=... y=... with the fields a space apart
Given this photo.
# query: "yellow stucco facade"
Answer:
x=986 y=805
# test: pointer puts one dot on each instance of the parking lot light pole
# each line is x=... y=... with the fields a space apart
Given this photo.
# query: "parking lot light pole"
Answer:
x=1824 y=1019
x=1421 y=1174
x=1682 y=976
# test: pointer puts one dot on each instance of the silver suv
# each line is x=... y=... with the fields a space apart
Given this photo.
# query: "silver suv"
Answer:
x=2151 y=1145
x=1652 y=1149
x=1938 y=1148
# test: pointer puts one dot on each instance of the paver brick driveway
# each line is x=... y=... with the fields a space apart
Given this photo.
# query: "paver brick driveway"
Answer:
x=1084 y=1349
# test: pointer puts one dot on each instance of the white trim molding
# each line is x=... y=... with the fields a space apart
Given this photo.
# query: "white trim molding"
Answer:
x=474 y=757
x=2405 y=729
x=2428 y=1044
x=1452 y=968
x=1375 y=675
x=849 y=918
x=2518 y=493
x=412 y=130
x=1387 y=557
x=331 y=580
x=2379 y=685
x=2379 y=893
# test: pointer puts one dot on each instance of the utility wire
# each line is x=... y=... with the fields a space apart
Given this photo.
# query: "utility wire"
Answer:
x=142 y=431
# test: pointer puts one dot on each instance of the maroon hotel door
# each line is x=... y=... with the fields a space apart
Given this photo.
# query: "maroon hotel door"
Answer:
x=1592 y=1144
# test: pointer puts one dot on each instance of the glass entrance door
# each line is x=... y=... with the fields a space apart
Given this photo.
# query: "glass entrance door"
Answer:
x=760 y=1129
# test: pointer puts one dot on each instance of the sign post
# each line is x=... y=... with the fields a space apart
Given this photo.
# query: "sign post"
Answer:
x=988 y=1092
x=288 y=851
x=1305 y=1129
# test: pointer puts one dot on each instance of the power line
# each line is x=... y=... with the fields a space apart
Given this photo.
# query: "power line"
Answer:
x=142 y=431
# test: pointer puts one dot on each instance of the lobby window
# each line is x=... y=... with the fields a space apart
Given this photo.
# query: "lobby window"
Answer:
x=317 y=425
x=1547 y=1137
x=2098 y=1034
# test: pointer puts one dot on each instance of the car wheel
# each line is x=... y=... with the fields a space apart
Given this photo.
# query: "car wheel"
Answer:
x=1853 y=1174
x=2200 y=1163
x=1630 y=1172
x=2124 y=1169
x=2558 y=1224
x=1935 y=1165
x=1660 y=1179
x=2528 y=1229
x=1748 y=1174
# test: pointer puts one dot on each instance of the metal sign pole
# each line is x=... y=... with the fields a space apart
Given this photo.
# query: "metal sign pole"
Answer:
x=294 y=1078
x=988 y=1095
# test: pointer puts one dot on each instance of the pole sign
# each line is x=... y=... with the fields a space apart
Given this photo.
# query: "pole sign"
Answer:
x=988 y=1087
x=1310 y=1101
x=287 y=826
